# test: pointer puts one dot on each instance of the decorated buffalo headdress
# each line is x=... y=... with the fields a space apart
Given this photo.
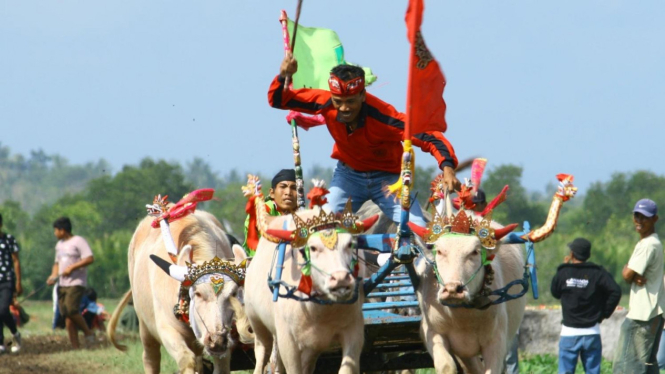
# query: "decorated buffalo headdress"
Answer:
x=215 y=272
x=164 y=214
x=327 y=224
x=447 y=222
x=462 y=223
x=479 y=225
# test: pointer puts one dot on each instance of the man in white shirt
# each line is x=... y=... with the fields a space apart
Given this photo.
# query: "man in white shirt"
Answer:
x=640 y=332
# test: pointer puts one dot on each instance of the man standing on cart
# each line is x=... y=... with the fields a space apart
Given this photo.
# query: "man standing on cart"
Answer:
x=367 y=133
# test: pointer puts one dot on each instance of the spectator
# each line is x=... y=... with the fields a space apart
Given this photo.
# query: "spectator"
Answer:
x=10 y=283
x=72 y=256
x=93 y=312
x=641 y=330
x=480 y=200
x=128 y=319
x=660 y=356
x=588 y=295
x=512 y=358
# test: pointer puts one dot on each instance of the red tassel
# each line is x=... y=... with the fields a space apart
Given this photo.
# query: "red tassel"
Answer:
x=305 y=285
x=252 y=231
x=317 y=197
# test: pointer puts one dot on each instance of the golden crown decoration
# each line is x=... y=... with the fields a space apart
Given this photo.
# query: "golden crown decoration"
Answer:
x=325 y=222
x=159 y=205
x=462 y=223
x=214 y=266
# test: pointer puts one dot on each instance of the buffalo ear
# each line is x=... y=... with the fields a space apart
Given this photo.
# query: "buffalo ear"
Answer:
x=239 y=254
x=174 y=271
x=185 y=255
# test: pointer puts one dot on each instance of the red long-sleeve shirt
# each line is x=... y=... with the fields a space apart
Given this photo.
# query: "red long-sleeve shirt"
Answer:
x=376 y=143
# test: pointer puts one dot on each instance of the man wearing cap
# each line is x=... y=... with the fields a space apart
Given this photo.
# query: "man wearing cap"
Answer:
x=588 y=295
x=367 y=133
x=282 y=199
x=641 y=330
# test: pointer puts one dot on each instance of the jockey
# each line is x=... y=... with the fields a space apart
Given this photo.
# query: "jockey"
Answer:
x=282 y=199
x=367 y=133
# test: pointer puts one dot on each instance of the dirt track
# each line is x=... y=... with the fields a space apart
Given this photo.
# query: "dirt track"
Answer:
x=35 y=353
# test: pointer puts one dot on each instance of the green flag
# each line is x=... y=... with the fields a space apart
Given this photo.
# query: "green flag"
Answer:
x=318 y=51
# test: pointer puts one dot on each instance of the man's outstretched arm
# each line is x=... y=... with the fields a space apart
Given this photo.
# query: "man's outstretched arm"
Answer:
x=305 y=100
x=436 y=144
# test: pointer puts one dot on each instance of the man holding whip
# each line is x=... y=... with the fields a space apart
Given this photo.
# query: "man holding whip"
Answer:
x=367 y=133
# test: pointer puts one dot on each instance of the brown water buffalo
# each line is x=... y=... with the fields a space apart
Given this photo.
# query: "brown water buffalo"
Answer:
x=468 y=332
x=304 y=329
x=214 y=307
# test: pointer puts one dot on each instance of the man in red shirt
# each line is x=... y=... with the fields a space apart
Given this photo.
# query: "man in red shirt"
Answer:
x=368 y=134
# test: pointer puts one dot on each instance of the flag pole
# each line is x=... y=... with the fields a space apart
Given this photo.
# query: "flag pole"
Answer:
x=289 y=47
x=408 y=159
x=300 y=184
x=409 y=83
x=295 y=26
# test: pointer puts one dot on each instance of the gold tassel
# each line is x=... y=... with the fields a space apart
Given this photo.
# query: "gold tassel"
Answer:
x=396 y=188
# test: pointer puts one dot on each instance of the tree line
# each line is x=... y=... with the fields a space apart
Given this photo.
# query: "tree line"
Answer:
x=106 y=207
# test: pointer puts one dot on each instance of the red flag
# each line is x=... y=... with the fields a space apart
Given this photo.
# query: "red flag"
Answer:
x=425 y=108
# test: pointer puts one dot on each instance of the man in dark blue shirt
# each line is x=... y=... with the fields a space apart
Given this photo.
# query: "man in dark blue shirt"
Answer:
x=588 y=295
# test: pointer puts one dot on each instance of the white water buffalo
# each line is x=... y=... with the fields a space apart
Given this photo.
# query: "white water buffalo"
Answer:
x=304 y=329
x=468 y=332
x=214 y=305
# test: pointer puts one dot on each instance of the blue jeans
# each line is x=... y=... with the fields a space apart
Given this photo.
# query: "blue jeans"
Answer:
x=512 y=359
x=588 y=347
x=637 y=346
x=363 y=186
x=660 y=356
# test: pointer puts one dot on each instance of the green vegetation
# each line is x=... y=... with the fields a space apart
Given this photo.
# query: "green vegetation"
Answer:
x=105 y=208
x=542 y=364
x=546 y=364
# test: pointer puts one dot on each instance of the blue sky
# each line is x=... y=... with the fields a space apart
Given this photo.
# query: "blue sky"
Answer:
x=553 y=86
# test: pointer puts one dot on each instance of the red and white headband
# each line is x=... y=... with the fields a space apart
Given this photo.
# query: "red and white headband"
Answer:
x=345 y=88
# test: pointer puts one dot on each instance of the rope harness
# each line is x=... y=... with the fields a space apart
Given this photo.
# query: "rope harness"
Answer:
x=482 y=300
x=306 y=270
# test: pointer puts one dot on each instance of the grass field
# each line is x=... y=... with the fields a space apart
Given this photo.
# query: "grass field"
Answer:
x=48 y=351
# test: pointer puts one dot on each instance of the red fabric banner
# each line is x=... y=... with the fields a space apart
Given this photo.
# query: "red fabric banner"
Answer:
x=425 y=108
